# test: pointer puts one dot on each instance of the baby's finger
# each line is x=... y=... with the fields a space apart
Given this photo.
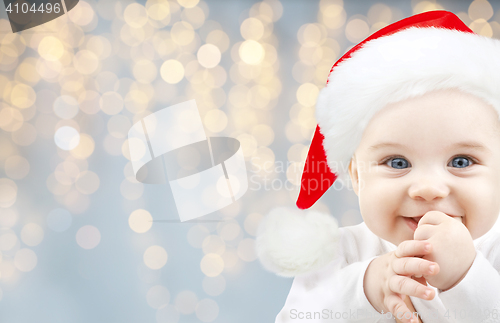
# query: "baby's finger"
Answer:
x=414 y=266
x=411 y=248
x=407 y=286
x=396 y=305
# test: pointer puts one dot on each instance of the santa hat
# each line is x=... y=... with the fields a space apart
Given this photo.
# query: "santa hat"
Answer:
x=425 y=52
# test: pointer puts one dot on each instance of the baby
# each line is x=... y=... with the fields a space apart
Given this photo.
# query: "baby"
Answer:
x=433 y=189
x=414 y=113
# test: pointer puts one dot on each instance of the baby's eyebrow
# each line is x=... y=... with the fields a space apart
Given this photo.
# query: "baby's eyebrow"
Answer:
x=470 y=144
x=465 y=144
x=386 y=144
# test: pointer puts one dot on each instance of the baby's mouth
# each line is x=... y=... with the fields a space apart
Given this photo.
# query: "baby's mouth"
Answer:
x=417 y=218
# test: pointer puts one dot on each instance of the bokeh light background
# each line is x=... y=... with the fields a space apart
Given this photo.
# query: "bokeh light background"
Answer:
x=80 y=239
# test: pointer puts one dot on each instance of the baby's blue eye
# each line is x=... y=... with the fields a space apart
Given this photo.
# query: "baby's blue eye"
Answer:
x=460 y=162
x=457 y=162
x=398 y=163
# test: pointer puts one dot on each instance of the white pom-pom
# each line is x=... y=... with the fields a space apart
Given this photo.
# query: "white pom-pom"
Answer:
x=291 y=242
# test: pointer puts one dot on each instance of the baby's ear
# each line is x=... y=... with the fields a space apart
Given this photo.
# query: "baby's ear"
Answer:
x=353 y=173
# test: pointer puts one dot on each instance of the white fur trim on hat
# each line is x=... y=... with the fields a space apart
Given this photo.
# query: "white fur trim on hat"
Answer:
x=292 y=242
x=396 y=67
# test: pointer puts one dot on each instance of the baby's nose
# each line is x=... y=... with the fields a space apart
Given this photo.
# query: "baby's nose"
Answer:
x=428 y=188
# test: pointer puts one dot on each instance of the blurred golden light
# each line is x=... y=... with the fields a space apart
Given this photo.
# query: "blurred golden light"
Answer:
x=297 y=153
x=252 y=28
x=158 y=9
x=230 y=259
x=158 y=296
x=8 y=192
x=16 y=167
x=49 y=70
x=425 y=6
x=32 y=234
x=131 y=191
x=195 y=16
x=248 y=144
x=25 y=260
x=100 y=46
x=132 y=36
x=136 y=101
x=155 y=257
x=145 y=71
x=89 y=102
x=248 y=72
x=86 y=62
x=51 y=48
x=293 y=132
x=135 y=15
x=307 y=94
x=209 y=56
x=182 y=33
x=252 y=222
x=55 y=187
x=65 y=107
x=240 y=96
x=251 y=52
x=379 y=12
x=8 y=218
x=140 y=221
x=212 y=265
x=481 y=27
x=88 y=237
x=219 y=38
x=214 y=286
x=356 y=30
x=26 y=70
x=333 y=16
x=480 y=9
x=113 y=145
x=185 y=302
x=207 y=310
x=294 y=172
x=10 y=119
x=264 y=134
x=66 y=172
x=213 y=244
x=22 y=96
x=25 y=135
x=215 y=120
x=8 y=240
x=310 y=35
x=303 y=72
x=76 y=202
x=82 y=15
x=87 y=182
x=271 y=54
x=246 y=250
x=172 y=71
x=118 y=126
x=230 y=231
x=111 y=103
x=188 y=3
x=85 y=147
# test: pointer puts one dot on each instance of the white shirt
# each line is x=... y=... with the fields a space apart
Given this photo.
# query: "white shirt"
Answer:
x=335 y=293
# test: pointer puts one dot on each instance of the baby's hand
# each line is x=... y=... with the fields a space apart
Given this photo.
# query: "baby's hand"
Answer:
x=453 y=248
x=388 y=278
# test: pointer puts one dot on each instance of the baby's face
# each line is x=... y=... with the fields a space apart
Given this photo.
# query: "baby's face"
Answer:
x=440 y=152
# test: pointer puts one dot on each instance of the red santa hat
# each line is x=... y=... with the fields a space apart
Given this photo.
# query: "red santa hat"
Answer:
x=425 y=52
